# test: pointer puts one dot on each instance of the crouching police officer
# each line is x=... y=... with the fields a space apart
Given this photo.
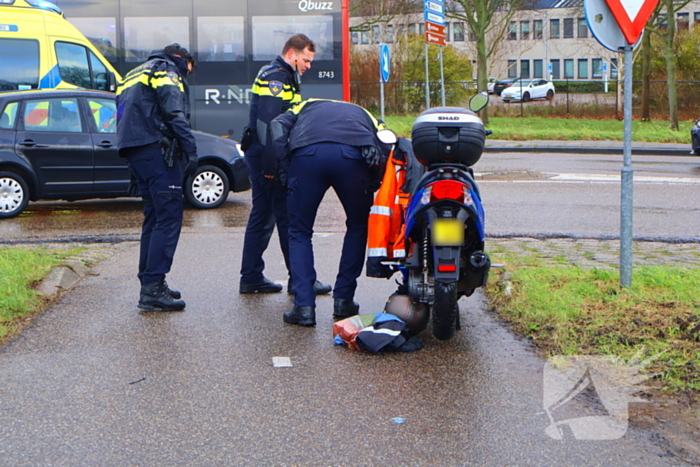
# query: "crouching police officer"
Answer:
x=154 y=135
x=319 y=144
x=275 y=90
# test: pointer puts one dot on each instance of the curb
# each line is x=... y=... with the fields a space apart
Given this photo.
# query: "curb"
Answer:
x=66 y=276
x=576 y=148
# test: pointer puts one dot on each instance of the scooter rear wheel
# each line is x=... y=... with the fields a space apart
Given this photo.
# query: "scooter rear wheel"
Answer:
x=445 y=310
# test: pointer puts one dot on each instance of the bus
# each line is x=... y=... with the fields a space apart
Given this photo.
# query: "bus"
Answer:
x=230 y=40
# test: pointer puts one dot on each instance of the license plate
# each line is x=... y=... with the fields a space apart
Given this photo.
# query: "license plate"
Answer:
x=448 y=232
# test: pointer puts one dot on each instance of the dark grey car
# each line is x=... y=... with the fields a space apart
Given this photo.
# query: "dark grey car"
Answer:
x=62 y=144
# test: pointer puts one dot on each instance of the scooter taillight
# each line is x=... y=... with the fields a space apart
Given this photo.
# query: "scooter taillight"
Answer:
x=447 y=189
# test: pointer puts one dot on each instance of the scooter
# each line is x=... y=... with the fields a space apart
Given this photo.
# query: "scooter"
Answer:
x=444 y=220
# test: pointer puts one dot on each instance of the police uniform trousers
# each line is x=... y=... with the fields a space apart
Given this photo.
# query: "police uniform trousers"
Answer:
x=314 y=169
x=161 y=190
x=269 y=208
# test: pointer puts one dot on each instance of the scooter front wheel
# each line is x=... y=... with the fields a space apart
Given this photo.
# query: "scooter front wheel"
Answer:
x=445 y=309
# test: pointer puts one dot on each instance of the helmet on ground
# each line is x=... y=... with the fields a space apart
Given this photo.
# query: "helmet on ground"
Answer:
x=415 y=315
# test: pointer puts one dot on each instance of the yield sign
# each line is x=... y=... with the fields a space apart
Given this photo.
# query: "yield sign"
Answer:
x=631 y=16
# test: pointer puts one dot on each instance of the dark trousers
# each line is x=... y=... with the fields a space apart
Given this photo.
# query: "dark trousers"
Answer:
x=312 y=171
x=269 y=208
x=161 y=190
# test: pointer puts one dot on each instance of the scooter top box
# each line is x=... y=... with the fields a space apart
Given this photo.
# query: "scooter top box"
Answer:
x=448 y=134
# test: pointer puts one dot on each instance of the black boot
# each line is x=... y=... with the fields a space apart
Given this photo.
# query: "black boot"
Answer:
x=173 y=293
x=344 y=308
x=301 y=315
x=155 y=297
x=264 y=286
x=319 y=287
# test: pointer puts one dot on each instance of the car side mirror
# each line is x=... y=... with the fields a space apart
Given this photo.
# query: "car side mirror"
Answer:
x=386 y=136
x=111 y=82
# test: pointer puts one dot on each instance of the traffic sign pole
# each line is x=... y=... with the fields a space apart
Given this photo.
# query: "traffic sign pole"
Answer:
x=442 y=80
x=427 y=79
x=381 y=93
x=627 y=179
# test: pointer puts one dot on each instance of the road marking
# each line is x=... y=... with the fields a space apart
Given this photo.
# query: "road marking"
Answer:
x=601 y=178
x=281 y=362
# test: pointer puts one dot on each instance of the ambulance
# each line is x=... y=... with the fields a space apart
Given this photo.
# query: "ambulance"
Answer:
x=40 y=49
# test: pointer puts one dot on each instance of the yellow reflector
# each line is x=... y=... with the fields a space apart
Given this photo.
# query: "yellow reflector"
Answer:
x=448 y=232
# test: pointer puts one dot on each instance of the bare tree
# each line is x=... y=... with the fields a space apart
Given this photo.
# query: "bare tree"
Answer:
x=488 y=22
x=380 y=11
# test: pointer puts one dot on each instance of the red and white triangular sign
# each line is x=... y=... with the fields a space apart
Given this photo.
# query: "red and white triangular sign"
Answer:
x=632 y=16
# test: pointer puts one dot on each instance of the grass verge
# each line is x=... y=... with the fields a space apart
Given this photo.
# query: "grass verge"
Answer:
x=21 y=269
x=570 y=310
x=567 y=129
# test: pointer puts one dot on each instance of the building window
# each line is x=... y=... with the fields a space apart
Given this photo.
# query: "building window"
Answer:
x=683 y=21
x=613 y=68
x=568 y=68
x=376 y=34
x=364 y=37
x=421 y=28
x=524 y=68
x=458 y=32
x=554 y=29
x=537 y=68
x=556 y=73
x=447 y=31
x=597 y=68
x=524 y=30
x=582 y=68
x=390 y=33
x=512 y=31
x=537 y=26
x=512 y=68
x=355 y=37
x=568 y=28
x=411 y=28
x=696 y=17
x=663 y=21
x=582 y=27
x=401 y=30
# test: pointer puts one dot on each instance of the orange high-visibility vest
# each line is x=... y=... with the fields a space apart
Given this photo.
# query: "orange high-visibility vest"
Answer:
x=385 y=237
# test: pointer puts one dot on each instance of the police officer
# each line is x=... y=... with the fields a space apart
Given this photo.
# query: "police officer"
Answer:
x=322 y=143
x=154 y=135
x=275 y=90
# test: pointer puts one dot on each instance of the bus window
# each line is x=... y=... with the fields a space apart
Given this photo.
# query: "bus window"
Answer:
x=73 y=64
x=144 y=36
x=271 y=32
x=102 y=32
x=20 y=64
x=220 y=38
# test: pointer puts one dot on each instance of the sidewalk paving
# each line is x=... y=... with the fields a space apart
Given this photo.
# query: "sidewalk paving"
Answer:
x=589 y=147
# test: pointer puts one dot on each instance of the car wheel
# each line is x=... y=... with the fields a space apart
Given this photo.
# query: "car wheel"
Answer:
x=526 y=97
x=550 y=95
x=14 y=194
x=207 y=188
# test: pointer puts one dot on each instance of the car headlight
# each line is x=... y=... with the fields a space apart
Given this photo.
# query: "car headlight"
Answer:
x=697 y=123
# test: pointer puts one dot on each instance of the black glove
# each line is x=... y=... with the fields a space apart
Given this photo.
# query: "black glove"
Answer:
x=192 y=165
x=371 y=155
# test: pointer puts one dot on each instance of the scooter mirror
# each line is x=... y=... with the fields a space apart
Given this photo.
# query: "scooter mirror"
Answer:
x=386 y=136
x=478 y=101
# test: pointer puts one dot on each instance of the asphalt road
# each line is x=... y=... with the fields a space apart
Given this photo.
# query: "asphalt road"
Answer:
x=95 y=382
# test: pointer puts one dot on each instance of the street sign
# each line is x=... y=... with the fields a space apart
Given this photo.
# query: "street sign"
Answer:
x=434 y=17
x=632 y=16
x=384 y=62
x=435 y=39
x=603 y=25
x=434 y=28
x=605 y=67
x=437 y=7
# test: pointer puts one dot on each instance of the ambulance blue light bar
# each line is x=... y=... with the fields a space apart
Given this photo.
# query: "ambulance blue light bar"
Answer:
x=44 y=5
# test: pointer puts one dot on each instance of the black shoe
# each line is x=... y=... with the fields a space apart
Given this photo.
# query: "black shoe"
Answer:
x=301 y=315
x=266 y=286
x=319 y=288
x=173 y=293
x=344 y=308
x=155 y=297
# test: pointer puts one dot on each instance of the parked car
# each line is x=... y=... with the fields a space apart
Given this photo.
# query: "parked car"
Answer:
x=695 y=138
x=62 y=144
x=528 y=90
x=490 y=86
x=502 y=84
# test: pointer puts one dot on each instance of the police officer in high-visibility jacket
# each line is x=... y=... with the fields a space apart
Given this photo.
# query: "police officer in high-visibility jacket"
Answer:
x=154 y=135
x=275 y=90
x=319 y=144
